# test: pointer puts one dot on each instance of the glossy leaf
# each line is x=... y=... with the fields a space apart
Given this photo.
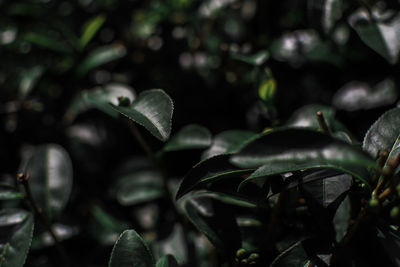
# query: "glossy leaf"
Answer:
x=47 y=42
x=207 y=171
x=341 y=219
x=153 y=110
x=101 y=97
x=357 y=95
x=383 y=133
x=192 y=136
x=226 y=142
x=130 y=250
x=50 y=178
x=256 y=59
x=91 y=28
x=16 y=228
x=139 y=187
x=100 y=56
x=167 y=261
x=299 y=148
x=379 y=33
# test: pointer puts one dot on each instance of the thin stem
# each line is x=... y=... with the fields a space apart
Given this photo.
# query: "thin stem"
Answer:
x=322 y=123
x=23 y=179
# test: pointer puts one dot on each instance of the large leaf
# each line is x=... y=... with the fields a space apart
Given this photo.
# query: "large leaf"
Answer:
x=153 y=110
x=229 y=141
x=50 y=178
x=16 y=229
x=100 y=56
x=167 y=261
x=192 y=136
x=383 y=133
x=138 y=187
x=357 y=95
x=293 y=149
x=130 y=250
x=209 y=170
x=380 y=33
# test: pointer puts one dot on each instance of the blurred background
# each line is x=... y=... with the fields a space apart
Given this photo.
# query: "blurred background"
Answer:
x=227 y=64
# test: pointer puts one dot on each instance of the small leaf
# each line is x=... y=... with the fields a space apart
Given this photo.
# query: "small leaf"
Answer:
x=295 y=149
x=90 y=28
x=192 y=136
x=380 y=34
x=47 y=42
x=207 y=171
x=130 y=250
x=16 y=228
x=227 y=142
x=383 y=133
x=101 y=97
x=153 y=110
x=100 y=56
x=50 y=178
x=357 y=95
x=138 y=187
x=256 y=59
x=167 y=261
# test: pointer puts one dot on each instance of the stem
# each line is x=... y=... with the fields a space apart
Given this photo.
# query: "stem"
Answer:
x=23 y=179
x=322 y=123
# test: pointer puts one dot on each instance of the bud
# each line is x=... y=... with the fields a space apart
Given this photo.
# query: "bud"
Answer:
x=123 y=101
x=241 y=253
x=395 y=212
x=253 y=257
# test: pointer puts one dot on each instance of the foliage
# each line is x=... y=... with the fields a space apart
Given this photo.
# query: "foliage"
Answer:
x=274 y=140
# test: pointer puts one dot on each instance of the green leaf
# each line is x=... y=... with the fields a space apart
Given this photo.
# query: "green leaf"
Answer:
x=256 y=59
x=131 y=250
x=9 y=193
x=101 y=97
x=100 y=56
x=139 y=187
x=167 y=261
x=295 y=149
x=383 y=133
x=358 y=96
x=341 y=219
x=192 y=136
x=16 y=228
x=227 y=142
x=47 y=42
x=50 y=178
x=328 y=12
x=90 y=28
x=28 y=79
x=294 y=256
x=227 y=199
x=209 y=170
x=153 y=110
x=379 y=32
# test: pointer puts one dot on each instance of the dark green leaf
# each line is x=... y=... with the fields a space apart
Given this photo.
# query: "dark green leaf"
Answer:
x=47 y=42
x=357 y=95
x=379 y=33
x=294 y=256
x=192 y=136
x=90 y=29
x=167 y=261
x=390 y=240
x=101 y=97
x=100 y=56
x=9 y=193
x=16 y=227
x=226 y=142
x=294 y=149
x=216 y=221
x=383 y=133
x=227 y=199
x=28 y=80
x=139 y=187
x=209 y=170
x=256 y=59
x=153 y=110
x=341 y=219
x=130 y=250
x=50 y=178
x=328 y=12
